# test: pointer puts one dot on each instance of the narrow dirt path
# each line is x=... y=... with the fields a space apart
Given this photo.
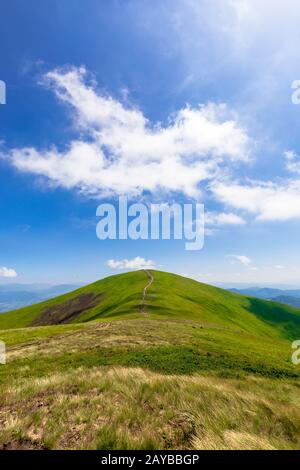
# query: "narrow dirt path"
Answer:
x=142 y=304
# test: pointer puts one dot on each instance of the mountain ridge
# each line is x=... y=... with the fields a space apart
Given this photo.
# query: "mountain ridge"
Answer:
x=170 y=296
x=267 y=293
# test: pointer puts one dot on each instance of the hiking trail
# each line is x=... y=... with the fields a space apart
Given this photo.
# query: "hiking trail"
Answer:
x=142 y=304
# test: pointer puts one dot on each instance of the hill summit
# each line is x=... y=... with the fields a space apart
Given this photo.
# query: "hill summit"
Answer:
x=157 y=294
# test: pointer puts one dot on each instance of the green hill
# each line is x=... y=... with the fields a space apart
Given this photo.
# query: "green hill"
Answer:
x=169 y=296
x=150 y=360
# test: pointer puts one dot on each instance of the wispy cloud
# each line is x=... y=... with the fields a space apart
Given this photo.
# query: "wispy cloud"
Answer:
x=239 y=259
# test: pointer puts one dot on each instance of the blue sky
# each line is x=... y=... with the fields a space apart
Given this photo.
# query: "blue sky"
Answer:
x=183 y=100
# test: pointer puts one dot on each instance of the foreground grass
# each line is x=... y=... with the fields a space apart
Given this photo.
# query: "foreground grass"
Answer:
x=129 y=408
x=147 y=384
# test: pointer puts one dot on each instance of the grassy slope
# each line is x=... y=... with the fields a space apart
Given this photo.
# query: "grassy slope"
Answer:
x=121 y=295
x=147 y=383
x=203 y=369
x=185 y=298
x=174 y=297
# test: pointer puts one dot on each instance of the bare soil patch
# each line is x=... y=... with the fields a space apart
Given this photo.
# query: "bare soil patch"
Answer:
x=67 y=311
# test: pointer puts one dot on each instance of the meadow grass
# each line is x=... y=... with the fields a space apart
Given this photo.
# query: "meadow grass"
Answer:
x=147 y=384
x=133 y=408
x=201 y=369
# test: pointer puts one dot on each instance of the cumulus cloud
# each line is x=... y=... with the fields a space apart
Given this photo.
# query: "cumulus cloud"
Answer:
x=266 y=200
x=7 y=272
x=121 y=152
x=132 y=264
x=239 y=259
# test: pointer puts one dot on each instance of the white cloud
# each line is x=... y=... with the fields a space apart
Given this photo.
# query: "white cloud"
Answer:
x=239 y=259
x=123 y=153
x=267 y=201
x=134 y=264
x=7 y=272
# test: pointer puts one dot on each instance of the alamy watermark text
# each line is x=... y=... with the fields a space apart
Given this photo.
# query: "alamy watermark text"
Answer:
x=155 y=221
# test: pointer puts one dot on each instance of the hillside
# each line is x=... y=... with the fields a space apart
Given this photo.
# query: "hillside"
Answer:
x=150 y=360
x=170 y=296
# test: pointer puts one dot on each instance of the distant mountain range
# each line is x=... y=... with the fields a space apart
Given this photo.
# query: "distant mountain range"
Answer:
x=283 y=296
x=14 y=296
